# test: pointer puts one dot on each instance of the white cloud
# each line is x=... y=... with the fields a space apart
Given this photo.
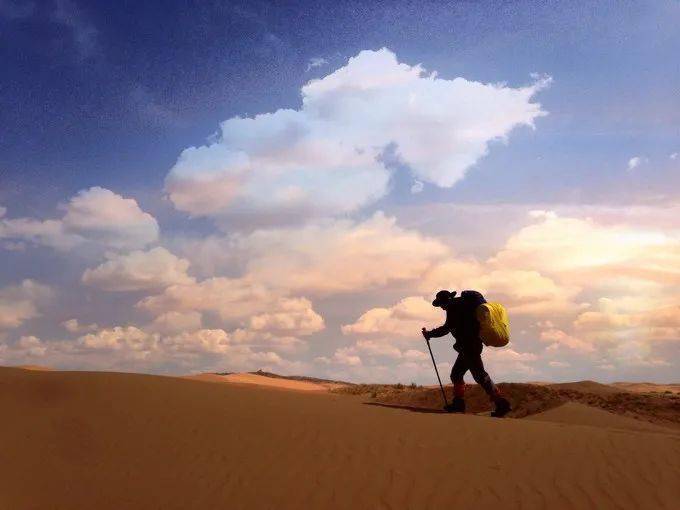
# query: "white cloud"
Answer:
x=102 y=216
x=139 y=270
x=74 y=326
x=553 y=271
x=19 y=303
x=406 y=318
x=130 y=347
x=176 y=322
x=26 y=349
x=31 y=346
x=417 y=187
x=339 y=256
x=129 y=339
x=230 y=298
x=258 y=313
x=96 y=216
x=324 y=158
x=558 y=338
x=294 y=316
x=674 y=155
x=316 y=62
x=346 y=356
x=635 y=162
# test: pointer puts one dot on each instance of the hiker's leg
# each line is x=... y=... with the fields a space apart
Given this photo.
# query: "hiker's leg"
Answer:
x=480 y=376
x=457 y=374
x=483 y=379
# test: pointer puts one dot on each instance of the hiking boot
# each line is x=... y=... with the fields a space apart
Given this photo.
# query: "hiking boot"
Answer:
x=457 y=405
x=502 y=408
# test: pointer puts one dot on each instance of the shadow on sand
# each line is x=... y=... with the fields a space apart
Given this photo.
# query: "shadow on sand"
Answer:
x=408 y=408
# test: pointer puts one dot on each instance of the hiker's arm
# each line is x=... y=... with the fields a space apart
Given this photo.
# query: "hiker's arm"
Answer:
x=439 y=332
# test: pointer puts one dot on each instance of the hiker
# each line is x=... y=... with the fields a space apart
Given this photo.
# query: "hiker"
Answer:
x=462 y=323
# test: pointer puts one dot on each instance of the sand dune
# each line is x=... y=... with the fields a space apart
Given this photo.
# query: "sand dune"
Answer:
x=259 y=380
x=34 y=367
x=574 y=413
x=79 y=440
x=593 y=387
x=646 y=387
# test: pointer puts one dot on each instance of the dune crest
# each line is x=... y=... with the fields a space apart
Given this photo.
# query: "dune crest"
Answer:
x=260 y=380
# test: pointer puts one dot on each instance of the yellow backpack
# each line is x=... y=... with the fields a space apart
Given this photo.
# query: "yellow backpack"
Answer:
x=494 y=326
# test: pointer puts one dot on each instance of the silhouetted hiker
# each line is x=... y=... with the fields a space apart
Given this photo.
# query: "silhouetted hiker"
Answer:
x=462 y=323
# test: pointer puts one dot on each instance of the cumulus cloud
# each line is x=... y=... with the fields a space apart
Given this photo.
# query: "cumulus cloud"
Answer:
x=74 y=326
x=131 y=346
x=558 y=338
x=19 y=303
x=338 y=256
x=25 y=350
x=176 y=322
x=316 y=62
x=386 y=337
x=294 y=316
x=128 y=338
x=97 y=216
x=256 y=314
x=139 y=270
x=611 y=323
x=603 y=279
x=229 y=298
x=324 y=158
x=634 y=162
x=403 y=319
x=346 y=356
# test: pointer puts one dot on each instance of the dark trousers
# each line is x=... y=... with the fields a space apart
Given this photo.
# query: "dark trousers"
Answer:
x=472 y=361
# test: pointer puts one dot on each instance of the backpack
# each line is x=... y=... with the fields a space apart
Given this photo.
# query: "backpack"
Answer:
x=494 y=326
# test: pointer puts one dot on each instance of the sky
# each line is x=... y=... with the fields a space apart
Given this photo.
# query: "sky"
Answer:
x=229 y=186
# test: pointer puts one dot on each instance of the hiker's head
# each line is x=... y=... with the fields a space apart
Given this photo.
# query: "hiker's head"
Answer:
x=443 y=298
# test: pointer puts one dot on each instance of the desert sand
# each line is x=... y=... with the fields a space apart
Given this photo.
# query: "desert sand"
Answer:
x=259 y=380
x=73 y=440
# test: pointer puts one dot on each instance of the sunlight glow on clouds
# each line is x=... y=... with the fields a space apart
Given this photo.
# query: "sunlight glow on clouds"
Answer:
x=95 y=216
x=324 y=158
x=139 y=270
x=299 y=271
x=19 y=303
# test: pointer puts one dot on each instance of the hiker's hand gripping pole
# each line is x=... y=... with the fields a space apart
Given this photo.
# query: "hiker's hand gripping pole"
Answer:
x=441 y=386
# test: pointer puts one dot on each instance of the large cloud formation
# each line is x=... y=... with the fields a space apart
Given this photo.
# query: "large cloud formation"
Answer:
x=324 y=158
x=139 y=270
x=19 y=303
x=588 y=288
x=598 y=291
x=95 y=216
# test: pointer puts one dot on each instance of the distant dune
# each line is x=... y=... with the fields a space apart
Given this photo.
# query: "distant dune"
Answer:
x=646 y=387
x=86 y=440
x=260 y=380
x=587 y=387
x=34 y=367
x=574 y=413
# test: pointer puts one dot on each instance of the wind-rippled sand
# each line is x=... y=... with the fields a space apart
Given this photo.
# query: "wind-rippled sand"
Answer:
x=83 y=440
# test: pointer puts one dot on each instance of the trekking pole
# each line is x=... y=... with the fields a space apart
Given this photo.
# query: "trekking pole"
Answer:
x=446 y=404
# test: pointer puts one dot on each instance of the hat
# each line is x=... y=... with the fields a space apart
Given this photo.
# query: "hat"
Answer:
x=442 y=297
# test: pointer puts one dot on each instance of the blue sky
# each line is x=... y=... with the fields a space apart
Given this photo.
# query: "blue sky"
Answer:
x=109 y=95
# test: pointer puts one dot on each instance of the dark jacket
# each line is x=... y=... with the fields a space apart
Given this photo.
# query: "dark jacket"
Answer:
x=461 y=322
